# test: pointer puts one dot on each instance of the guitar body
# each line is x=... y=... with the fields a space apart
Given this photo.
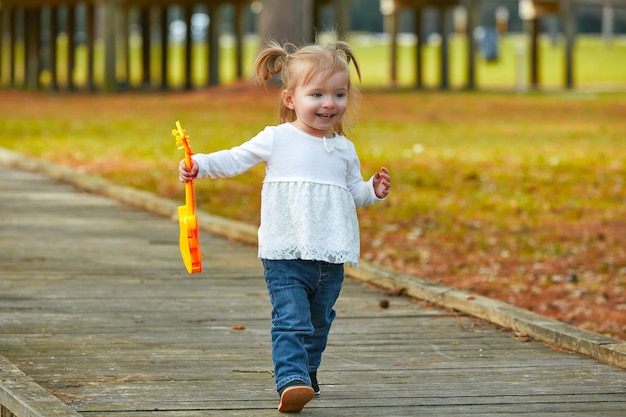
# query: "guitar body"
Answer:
x=189 y=240
x=187 y=220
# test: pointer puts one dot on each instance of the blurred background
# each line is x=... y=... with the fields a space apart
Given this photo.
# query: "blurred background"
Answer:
x=108 y=45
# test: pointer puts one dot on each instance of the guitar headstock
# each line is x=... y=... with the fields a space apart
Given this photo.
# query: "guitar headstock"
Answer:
x=182 y=140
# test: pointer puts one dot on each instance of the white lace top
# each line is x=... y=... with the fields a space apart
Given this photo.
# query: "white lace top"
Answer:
x=311 y=190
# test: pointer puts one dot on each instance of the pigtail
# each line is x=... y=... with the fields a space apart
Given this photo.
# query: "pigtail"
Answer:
x=342 y=51
x=271 y=61
x=345 y=48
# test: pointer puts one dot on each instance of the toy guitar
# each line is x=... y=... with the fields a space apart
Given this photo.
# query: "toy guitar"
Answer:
x=189 y=234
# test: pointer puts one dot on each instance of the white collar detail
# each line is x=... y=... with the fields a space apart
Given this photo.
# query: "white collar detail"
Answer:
x=335 y=143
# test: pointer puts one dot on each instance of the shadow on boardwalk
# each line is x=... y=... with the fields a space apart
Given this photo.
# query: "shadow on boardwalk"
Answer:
x=97 y=309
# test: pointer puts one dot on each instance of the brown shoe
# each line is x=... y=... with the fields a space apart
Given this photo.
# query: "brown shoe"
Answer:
x=294 y=398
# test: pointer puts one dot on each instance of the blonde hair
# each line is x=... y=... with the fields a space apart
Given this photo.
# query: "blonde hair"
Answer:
x=298 y=66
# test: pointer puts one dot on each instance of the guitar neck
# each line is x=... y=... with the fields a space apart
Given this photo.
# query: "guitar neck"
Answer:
x=190 y=198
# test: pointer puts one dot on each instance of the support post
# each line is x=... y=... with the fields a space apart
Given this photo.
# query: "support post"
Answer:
x=71 y=46
x=32 y=34
x=392 y=27
x=52 y=51
x=608 y=17
x=189 y=48
x=7 y=59
x=342 y=17
x=108 y=21
x=213 y=41
x=419 y=66
x=144 y=14
x=534 y=53
x=2 y=47
x=164 y=28
x=473 y=14
x=445 y=63
x=90 y=42
x=569 y=27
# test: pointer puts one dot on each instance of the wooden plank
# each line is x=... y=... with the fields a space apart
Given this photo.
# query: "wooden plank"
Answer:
x=508 y=316
x=550 y=331
x=106 y=318
x=20 y=396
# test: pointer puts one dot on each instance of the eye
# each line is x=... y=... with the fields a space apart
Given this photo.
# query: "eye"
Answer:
x=317 y=95
x=341 y=95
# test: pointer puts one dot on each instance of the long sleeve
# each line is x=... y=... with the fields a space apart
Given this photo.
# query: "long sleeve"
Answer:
x=362 y=191
x=232 y=162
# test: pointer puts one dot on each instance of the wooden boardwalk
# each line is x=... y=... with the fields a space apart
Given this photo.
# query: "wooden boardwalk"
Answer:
x=96 y=308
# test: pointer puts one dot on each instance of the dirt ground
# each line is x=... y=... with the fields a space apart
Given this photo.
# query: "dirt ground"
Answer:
x=538 y=287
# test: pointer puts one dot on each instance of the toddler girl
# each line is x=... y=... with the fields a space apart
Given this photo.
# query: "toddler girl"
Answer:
x=310 y=193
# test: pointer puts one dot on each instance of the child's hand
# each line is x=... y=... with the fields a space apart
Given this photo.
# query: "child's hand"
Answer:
x=187 y=174
x=382 y=182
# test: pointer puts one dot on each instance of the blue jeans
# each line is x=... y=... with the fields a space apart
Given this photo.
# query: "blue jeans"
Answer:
x=303 y=294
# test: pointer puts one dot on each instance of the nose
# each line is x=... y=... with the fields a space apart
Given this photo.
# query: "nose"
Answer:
x=329 y=101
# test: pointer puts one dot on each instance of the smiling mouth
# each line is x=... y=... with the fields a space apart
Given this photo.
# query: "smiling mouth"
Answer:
x=326 y=116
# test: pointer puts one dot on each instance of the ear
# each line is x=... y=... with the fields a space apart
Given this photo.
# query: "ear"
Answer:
x=287 y=97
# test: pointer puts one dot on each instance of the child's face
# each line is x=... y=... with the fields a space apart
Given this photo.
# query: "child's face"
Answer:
x=320 y=104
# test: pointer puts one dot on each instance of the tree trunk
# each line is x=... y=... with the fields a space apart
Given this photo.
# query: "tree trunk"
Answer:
x=286 y=21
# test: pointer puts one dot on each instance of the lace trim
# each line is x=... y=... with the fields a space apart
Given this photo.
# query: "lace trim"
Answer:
x=303 y=220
